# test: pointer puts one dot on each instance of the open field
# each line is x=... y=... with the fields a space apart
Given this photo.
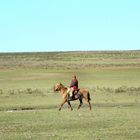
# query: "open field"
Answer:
x=68 y=60
x=29 y=107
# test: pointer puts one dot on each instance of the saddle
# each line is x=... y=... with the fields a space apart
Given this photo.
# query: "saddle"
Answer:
x=75 y=95
x=76 y=92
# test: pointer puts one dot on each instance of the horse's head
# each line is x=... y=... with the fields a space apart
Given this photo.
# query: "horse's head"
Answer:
x=58 y=87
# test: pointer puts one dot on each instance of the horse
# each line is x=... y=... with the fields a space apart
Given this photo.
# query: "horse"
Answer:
x=82 y=93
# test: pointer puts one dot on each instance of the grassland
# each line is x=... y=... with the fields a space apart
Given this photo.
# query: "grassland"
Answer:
x=29 y=107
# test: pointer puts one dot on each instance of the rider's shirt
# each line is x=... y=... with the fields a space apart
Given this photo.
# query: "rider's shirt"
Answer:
x=74 y=84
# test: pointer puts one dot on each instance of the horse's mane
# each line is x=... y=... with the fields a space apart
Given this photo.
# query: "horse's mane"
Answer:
x=63 y=86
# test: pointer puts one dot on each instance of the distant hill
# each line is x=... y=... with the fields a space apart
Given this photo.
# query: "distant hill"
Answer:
x=70 y=60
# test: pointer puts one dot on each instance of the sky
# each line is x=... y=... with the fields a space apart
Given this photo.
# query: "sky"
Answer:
x=69 y=25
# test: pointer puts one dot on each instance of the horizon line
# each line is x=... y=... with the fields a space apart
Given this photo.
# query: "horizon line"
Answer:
x=70 y=51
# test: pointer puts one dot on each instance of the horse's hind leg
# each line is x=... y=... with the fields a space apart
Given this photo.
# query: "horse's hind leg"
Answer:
x=81 y=102
x=70 y=105
x=88 y=101
x=89 y=105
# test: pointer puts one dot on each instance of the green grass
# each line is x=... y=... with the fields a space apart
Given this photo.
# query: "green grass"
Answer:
x=29 y=107
x=100 y=123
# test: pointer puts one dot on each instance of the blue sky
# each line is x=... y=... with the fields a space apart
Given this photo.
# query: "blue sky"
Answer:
x=69 y=25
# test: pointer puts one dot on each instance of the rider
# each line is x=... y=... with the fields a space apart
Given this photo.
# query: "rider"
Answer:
x=73 y=86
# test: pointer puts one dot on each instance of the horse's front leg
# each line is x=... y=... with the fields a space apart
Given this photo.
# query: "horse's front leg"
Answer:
x=70 y=105
x=63 y=102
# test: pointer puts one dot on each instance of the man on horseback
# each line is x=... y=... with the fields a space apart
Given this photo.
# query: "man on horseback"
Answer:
x=83 y=93
x=73 y=86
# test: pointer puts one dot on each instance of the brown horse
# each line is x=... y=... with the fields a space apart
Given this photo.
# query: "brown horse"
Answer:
x=82 y=93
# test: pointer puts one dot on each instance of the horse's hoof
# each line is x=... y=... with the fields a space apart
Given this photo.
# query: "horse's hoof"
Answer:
x=71 y=109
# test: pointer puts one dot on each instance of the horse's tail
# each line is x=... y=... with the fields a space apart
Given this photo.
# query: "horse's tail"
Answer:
x=88 y=95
